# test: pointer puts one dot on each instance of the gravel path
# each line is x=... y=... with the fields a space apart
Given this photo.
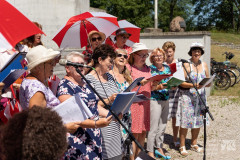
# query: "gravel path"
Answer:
x=223 y=134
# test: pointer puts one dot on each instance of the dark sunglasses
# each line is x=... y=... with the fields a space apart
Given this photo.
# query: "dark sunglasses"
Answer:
x=124 y=37
x=120 y=55
x=98 y=38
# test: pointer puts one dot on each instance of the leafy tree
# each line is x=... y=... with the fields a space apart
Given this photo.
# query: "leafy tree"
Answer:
x=169 y=9
x=218 y=14
x=138 y=12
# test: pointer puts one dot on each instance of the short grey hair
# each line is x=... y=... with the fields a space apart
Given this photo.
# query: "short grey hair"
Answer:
x=70 y=56
x=119 y=50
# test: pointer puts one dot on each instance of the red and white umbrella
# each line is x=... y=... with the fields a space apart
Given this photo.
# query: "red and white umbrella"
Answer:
x=14 y=26
x=130 y=28
x=75 y=32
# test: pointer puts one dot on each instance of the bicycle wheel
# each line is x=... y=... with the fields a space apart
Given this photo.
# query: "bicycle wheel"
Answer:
x=232 y=76
x=236 y=70
x=222 y=81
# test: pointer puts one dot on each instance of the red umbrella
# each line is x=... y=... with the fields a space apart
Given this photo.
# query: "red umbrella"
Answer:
x=14 y=26
x=75 y=32
x=130 y=28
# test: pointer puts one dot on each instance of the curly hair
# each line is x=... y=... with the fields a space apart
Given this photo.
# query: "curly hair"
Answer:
x=104 y=51
x=168 y=44
x=154 y=52
x=37 y=133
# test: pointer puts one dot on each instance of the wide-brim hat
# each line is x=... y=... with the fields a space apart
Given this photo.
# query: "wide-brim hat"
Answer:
x=40 y=54
x=196 y=45
x=139 y=47
x=122 y=31
x=102 y=35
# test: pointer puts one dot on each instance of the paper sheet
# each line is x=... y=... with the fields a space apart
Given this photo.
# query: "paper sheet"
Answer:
x=73 y=109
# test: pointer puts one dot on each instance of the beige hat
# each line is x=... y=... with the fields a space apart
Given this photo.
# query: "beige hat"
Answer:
x=138 y=47
x=96 y=32
x=40 y=54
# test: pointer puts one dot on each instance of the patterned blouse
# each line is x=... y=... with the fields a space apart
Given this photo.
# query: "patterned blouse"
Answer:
x=85 y=143
x=29 y=87
x=160 y=94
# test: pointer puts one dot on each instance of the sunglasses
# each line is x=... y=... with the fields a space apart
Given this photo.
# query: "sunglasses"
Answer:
x=97 y=38
x=142 y=56
x=122 y=55
x=124 y=37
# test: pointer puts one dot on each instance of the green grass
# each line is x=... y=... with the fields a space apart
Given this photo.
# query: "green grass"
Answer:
x=226 y=37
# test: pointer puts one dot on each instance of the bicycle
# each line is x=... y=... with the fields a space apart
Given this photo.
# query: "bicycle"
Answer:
x=222 y=79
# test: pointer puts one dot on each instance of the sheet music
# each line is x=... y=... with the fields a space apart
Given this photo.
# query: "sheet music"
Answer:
x=12 y=77
x=73 y=109
x=209 y=81
x=133 y=84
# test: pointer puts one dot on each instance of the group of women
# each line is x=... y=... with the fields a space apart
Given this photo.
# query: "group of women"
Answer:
x=101 y=137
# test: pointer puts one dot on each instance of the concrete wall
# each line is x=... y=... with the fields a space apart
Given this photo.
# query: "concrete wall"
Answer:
x=51 y=14
x=182 y=40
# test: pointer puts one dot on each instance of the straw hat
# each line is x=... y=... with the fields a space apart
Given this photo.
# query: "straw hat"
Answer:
x=139 y=46
x=103 y=36
x=40 y=54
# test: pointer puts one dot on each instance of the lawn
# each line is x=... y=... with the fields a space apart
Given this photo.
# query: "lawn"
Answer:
x=226 y=37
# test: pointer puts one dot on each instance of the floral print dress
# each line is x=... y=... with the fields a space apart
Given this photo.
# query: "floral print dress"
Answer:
x=85 y=143
x=189 y=114
x=160 y=95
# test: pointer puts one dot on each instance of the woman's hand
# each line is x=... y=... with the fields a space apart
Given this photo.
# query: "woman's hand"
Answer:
x=103 y=122
x=144 y=81
x=112 y=98
x=73 y=126
x=16 y=86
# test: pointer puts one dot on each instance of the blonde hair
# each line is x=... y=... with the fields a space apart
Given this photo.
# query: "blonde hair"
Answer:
x=126 y=72
x=154 y=53
x=167 y=45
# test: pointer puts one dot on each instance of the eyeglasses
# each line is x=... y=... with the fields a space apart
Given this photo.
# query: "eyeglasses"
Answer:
x=96 y=38
x=122 y=55
x=142 y=56
x=158 y=56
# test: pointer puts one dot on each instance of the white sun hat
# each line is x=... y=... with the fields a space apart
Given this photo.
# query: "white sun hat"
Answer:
x=40 y=54
x=139 y=46
x=196 y=44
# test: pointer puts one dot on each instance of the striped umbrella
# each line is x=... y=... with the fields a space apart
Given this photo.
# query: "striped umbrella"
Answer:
x=75 y=32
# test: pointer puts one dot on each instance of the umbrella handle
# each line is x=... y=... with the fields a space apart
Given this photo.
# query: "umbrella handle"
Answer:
x=87 y=34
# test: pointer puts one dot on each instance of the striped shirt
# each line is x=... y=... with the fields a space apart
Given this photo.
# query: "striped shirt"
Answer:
x=111 y=146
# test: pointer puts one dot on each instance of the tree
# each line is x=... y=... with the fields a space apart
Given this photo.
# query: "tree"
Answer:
x=138 y=12
x=169 y=9
x=218 y=14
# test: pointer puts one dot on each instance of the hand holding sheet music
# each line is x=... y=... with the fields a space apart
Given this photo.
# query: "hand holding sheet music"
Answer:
x=135 y=83
x=73 y=110
x=122 y=103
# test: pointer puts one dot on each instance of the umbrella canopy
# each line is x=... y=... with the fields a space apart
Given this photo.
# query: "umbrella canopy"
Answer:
x=75 y=32
x=14 y=26
x=130 y=28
